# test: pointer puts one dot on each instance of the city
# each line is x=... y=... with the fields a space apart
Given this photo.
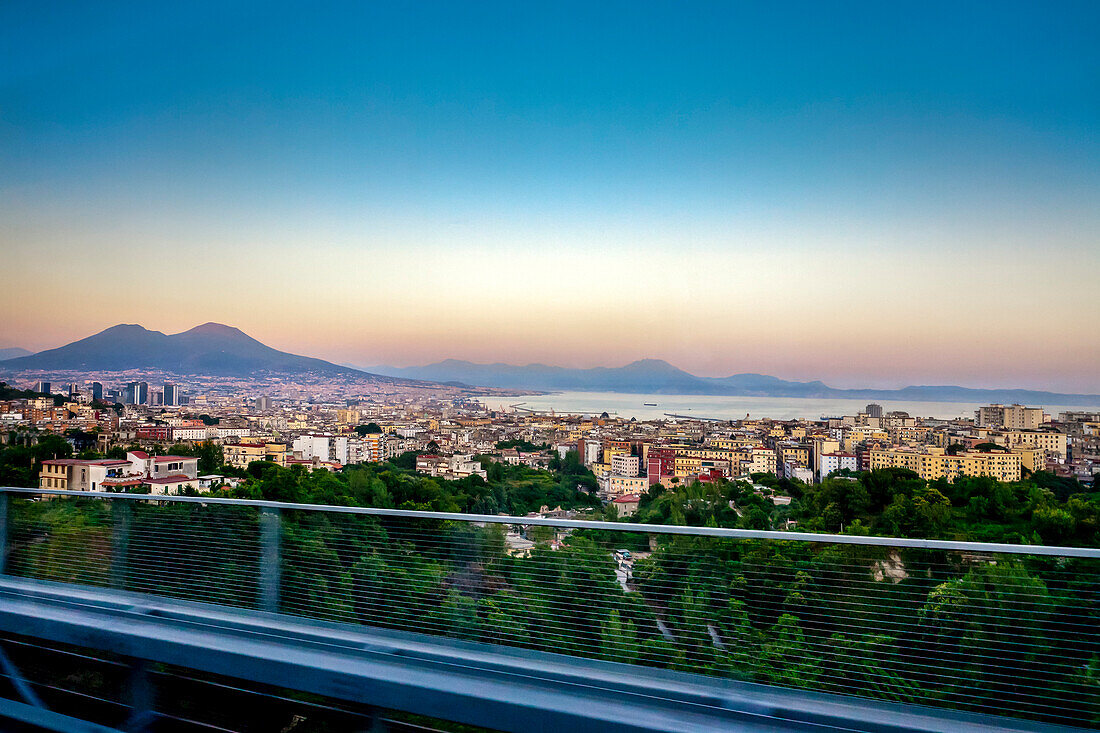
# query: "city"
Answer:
x=615 y=367
x=458 y=437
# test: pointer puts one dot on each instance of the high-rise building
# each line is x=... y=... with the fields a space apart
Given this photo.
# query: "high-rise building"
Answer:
x=43 y=387
x=136 y=393
x=660 y=462
x=1013 y=417
x=171 y=394
x=264 y=403
x=97 y=390
x=873 y=410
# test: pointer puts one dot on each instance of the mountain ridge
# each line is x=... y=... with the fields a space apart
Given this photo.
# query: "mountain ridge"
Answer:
x=656 y=376
x=210 y=349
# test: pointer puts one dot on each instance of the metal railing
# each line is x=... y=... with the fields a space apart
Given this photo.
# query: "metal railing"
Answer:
x=1003 y=629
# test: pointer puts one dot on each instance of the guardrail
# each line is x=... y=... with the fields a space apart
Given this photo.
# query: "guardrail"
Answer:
x=992 y=628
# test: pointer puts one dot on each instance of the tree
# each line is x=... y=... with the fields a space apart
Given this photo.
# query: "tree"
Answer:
x=368 y=429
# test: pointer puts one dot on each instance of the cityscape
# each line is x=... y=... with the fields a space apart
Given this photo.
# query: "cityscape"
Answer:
x=649 y=367
x=458 y=435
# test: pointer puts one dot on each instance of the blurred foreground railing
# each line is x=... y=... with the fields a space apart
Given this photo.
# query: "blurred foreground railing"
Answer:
x=1002 y=629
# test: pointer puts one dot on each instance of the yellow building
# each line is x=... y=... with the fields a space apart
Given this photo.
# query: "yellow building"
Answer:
x=932 y=463
x=623 y=485
x=911 y=435
x=276 y=453
x=1048 y=441
x=1033 y=459
x=794 y=453
x=684 y=466
x=610 y=452
x=863 y=434
x=732 y=443
x=760 y=460
x=347 y=417
x=239 y=455
x=54 y=474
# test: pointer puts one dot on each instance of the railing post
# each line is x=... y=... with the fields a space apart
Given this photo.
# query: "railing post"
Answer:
x=4 y=502
x=120 y=542
x=269 y=559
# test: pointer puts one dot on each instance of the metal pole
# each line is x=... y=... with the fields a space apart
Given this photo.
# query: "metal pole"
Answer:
x=4 y=503
x=142 y=696
x=269 y=559
x=120 y=543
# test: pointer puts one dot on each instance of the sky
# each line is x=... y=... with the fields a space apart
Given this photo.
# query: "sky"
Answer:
x=867 y=193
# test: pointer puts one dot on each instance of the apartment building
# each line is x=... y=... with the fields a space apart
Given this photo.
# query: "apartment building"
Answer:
x=1012 y=417
x=932 y=463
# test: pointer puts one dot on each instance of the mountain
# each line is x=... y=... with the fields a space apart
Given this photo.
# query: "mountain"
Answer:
x=13 y=352
x=655 y=376
x=211 y=349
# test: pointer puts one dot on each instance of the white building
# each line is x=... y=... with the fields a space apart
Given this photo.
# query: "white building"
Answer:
x=625 y=465
x=192 y=433
x=322 y=447
x=836 y=461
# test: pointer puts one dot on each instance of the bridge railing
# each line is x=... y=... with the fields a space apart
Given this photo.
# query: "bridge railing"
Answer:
x=1003 y=629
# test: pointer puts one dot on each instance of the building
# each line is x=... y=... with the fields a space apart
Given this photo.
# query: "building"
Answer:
x=624 y=464
x=154 y=433
x=97 y=390
x=371 y=448
x=43 y=387
x=74 y=474
x=831 y=462
x=265 y=403
x=660 y=464
x=239 y=455
x=1052 y=442
x=622 y=485
x=873 y=410
x=626 y=505
x=933 y=463
x=191 y=433
x=162 y=474
x=321 y=446
x=136 y=393
x=1011 y=417
x=171 y=395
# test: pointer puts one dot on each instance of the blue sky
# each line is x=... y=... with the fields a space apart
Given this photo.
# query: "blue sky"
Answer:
x=438 y=153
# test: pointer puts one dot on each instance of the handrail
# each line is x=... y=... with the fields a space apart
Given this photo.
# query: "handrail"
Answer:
x=721 y=532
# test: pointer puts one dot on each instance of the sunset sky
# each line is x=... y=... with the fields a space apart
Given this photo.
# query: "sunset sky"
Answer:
x=872 y=194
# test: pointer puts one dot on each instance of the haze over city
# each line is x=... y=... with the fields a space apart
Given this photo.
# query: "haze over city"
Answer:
x=873 y=198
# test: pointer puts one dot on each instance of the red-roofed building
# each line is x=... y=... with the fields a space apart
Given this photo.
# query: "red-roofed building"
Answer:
x=626 y=505
x=74 y=474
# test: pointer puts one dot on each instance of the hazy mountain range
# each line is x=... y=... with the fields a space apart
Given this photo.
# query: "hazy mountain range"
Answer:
x=211 y=349
x=13 y=352
x=654 y=376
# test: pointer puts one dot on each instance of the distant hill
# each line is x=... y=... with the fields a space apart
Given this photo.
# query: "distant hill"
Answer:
x=654 y=376
x=210 y=349
x=13 y=352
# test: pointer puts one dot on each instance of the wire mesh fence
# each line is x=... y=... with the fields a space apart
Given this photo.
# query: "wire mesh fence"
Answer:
x=1007 y=631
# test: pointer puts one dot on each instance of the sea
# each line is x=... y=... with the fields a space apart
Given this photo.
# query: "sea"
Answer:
x=721 y=407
